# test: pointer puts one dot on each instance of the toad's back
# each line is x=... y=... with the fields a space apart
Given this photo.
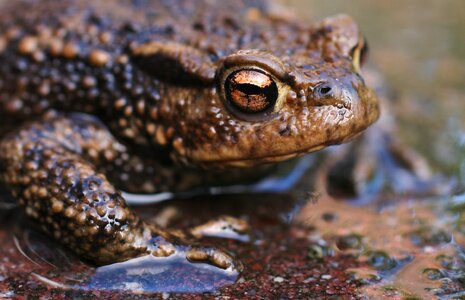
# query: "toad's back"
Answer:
x=79 y=55
x=74 y=55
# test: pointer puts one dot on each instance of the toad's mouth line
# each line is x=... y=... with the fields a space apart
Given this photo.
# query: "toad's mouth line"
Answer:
x=254 y=161
x=260 y=160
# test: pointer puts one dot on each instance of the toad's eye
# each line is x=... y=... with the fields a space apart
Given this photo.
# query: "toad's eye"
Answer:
x=360 y=53
x=251 y=91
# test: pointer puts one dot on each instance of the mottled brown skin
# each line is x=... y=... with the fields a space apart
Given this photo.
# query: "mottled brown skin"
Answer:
x=146 y=88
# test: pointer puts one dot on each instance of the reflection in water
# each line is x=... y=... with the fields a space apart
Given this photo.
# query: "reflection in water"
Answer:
x=152 y=274
x=412 y=248
x=144 y=274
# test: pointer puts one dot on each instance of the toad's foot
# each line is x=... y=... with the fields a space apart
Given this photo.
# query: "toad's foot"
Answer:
x=52 y=166
x=376 y=164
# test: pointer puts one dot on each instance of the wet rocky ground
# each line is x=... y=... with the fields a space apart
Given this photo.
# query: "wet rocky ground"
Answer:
x=304 y=243
x=280 y=262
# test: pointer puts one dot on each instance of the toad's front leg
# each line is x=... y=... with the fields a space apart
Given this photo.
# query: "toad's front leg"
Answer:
x=51 y=168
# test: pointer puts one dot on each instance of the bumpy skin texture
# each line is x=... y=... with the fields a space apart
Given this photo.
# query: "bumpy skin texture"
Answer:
x=154 y=73
x=51 y=166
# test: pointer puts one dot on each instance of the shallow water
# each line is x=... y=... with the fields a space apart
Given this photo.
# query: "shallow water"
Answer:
x=303 y=243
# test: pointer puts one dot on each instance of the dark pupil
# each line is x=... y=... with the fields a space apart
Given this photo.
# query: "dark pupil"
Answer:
x=251 y=91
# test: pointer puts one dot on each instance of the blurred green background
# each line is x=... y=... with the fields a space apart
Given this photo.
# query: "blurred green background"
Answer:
x=419 y=46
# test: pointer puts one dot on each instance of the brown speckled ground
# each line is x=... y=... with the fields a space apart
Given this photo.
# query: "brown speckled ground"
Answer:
x=281 y=263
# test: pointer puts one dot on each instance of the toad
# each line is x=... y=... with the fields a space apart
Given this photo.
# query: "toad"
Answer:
x=99 y=97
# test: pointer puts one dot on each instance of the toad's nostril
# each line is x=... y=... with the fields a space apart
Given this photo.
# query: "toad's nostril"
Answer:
x=331 y=94
x=324 y=90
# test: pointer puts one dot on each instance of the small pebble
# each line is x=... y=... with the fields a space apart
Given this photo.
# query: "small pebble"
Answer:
x=309 y=279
